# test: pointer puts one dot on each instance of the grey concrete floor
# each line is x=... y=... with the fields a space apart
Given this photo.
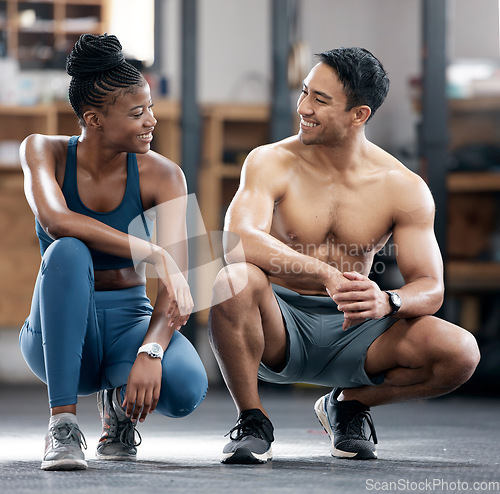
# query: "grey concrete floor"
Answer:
x=450 y=444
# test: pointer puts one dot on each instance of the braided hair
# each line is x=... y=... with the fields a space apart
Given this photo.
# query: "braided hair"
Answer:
x=98 y=68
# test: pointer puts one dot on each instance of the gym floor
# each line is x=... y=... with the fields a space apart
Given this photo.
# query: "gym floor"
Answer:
x=448 y=444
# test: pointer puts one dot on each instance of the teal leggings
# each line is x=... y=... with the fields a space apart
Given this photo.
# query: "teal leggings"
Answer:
x=80 y=341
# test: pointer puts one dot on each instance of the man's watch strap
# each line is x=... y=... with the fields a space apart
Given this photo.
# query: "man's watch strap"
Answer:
x=394 y=301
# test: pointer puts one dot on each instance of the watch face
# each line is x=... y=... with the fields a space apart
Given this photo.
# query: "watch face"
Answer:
x=155 y=348
x=396 y=300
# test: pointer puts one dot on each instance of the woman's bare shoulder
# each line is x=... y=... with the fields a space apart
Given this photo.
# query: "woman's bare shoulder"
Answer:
x=160 y=176
x=37 y=149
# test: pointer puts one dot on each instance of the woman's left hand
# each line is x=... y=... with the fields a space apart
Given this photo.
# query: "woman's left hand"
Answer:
x=143 y=387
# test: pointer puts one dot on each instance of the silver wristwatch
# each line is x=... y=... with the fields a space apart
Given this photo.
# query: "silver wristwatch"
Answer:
x=394 y=301
x=152 y=349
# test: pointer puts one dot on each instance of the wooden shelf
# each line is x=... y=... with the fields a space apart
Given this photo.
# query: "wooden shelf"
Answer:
x=230 y=132
x=19 y=250
x=472 y=105
x=233 y=129
x=79 y=2
x=54 y=29
x=473 y=121
x=17 y=122
x=473 y=182
x=472 y=211
x=167 y=133
x=468 y=276
x=236 y=112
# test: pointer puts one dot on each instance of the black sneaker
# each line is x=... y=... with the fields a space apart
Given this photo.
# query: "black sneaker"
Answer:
x=252 y=440
x=344 y=422
x=118 y=431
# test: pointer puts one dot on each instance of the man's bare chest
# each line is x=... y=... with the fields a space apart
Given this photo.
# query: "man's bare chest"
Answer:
x=328 y=222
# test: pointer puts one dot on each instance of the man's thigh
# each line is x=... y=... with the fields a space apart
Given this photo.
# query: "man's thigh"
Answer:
x=411 y=343
x=273 y=328
x=251 y=308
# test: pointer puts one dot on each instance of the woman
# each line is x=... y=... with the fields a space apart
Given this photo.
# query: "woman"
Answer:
x=91 y=327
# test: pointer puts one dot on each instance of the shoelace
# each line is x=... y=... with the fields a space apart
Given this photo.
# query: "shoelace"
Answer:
x=357 y=426
x=250 y=426
x=68 y=433
x=127 y=435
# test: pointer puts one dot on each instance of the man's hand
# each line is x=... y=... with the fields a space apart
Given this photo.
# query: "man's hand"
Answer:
x=143 y=387
x=360 y=298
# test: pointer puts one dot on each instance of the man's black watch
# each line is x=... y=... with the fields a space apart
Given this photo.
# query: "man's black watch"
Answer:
x=395 y=301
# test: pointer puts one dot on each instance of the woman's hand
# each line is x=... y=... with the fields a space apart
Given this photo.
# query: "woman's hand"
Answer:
x=143 y=387
x=180 y=303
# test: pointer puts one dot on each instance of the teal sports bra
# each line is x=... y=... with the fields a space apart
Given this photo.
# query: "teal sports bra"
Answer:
x=119 y=218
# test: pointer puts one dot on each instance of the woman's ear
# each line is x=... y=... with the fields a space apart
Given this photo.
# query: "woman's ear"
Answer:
x=92 y=120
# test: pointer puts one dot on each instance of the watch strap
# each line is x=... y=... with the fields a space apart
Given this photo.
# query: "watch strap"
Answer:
x=395 y=306
x=154 y=350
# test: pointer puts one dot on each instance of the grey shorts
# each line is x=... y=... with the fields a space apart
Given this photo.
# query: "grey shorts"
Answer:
x=319 y=350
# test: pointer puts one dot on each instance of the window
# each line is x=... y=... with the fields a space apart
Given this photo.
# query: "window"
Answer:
x=132 y=21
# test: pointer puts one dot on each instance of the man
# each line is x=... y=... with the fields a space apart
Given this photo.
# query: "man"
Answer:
x=312 y=211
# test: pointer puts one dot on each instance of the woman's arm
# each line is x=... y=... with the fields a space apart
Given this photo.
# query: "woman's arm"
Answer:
x=40 y=156
x=166 y=182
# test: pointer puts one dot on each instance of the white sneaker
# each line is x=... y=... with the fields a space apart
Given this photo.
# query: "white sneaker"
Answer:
x=63 y=447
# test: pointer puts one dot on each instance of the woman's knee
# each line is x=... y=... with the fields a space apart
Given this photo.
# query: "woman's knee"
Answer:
x=184 y=379
x=67 y=256
x=182 y=397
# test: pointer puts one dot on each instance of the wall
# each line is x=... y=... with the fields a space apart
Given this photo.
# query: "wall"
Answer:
x=235 y=58
x=390 y=29
x=235 y=51
x=473 y=29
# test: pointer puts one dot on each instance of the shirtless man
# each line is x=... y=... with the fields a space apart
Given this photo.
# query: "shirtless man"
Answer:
x=312 y=211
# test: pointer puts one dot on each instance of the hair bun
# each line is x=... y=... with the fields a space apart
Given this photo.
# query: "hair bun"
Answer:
x=92 y=54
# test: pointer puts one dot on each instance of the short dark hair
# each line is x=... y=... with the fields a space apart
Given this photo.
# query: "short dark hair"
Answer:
x=97 y=68
x=364 y=78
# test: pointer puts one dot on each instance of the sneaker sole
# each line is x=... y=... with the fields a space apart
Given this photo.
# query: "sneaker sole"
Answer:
x=243 y=456
x=115 y=457
x=66 y=464
x=319 y=409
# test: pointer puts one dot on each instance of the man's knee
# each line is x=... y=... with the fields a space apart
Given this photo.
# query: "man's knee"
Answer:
x=454 y=352
x=236 y=283
x=466 y=355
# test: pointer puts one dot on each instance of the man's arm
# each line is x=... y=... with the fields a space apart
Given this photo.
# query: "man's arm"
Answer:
x=263 y=182
x=419 y=261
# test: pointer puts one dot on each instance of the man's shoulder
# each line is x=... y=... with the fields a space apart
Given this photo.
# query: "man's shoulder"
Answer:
x=403 y=185
x=273 y=157
x=396 y=172
x=286 y=148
